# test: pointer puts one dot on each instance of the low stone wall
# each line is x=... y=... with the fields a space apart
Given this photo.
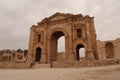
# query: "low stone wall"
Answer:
x=7 y=65
x=61 y=64
x=84 y=63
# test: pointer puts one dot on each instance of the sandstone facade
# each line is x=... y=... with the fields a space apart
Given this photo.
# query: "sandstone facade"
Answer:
x=79 y=32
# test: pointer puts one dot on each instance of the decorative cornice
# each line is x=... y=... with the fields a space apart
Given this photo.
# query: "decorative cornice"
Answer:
x=66 y=18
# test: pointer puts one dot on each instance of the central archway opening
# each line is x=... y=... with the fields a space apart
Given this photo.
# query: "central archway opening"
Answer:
x=61 y=44
x=57 y=44
x=38 y=55
x=80 y=52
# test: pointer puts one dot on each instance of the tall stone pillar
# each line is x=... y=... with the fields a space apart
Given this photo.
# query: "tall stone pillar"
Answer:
x=69 y=46
x=31 y=45
x=48 y=50
x=89 y=51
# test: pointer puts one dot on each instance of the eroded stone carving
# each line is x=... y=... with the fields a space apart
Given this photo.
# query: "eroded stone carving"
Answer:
x=77 y=29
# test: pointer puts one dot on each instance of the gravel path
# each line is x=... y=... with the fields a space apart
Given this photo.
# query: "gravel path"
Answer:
x=89 y=73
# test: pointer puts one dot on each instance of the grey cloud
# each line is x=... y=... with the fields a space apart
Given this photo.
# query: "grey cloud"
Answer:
x=17 y=16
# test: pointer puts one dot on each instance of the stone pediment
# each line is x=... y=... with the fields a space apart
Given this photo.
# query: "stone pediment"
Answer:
x=57 y=16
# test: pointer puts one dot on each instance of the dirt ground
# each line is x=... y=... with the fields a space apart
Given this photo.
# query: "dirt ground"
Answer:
x=111 y=72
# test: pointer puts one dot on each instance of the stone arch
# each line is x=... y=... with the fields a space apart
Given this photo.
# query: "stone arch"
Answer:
x=55 y=30
x=38 y=45
x=53 y=44
x=81 y=41
x=68 y=26
x=83 y=45
x=109 y=50
x=78 y=47
x=38 y=54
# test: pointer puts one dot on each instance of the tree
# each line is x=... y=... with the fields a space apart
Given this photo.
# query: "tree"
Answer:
x=20 y=50
x=25 y=52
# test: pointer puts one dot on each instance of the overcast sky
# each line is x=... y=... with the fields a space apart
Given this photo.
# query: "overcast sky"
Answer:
x=17 y=16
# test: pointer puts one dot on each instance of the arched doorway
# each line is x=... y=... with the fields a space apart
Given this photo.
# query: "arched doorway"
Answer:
x=38 y=55
x=109 y=50
x=80 y=52
x=54 y=44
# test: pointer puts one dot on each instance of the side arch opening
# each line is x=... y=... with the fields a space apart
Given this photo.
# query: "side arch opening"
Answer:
x=38 y=54
x=80 y=52
x=109 y=50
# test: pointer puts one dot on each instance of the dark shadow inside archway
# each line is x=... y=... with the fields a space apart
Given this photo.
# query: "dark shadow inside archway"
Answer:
x=53 y=44
x=80 y=52
x=109 y=50
x=38 y=55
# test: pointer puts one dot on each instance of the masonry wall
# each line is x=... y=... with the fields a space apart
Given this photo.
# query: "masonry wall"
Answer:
x=85 y=63
x=101 y=48
x=57 y=25
x=7 y=65
x=117 y=48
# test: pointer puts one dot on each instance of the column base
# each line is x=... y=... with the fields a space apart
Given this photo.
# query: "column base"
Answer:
x=90 y=55
x=70 y=56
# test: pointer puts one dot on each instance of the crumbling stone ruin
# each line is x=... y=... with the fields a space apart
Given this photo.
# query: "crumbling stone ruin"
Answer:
x=79 y=32
x=12 y=59
x=109 y=49
x=12 y=56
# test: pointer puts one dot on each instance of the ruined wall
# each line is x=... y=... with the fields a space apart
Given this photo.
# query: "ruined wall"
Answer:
x=79 y=32
x=114 y=50
x=12 y=57
x=10 y=65
x=117 y=48
x=85 y=63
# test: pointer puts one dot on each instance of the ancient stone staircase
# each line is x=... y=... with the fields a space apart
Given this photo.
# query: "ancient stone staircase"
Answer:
x=37 y=66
